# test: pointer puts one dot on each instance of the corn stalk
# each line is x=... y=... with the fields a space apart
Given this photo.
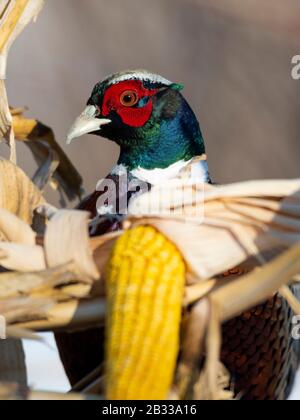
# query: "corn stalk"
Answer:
x=14 y=16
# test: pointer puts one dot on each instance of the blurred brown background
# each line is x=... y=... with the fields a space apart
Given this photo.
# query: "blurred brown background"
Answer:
x=233 y=56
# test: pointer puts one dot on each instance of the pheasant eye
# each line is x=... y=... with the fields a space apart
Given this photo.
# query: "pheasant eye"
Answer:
x=129 y=98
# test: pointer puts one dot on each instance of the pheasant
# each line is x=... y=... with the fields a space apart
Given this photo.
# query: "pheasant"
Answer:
x=159 y=138
x=157 y=131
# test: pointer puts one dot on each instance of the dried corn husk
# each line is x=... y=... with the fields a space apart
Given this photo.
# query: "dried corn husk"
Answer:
x=22 y=257
x=59 y=247
x=6 y=130
x=238 y=221
x=194 y=329
x=257 y=286
x=49 y=300
x=62 y=272
x=250 y=211
x=54 y=165
x=18 y=199
x=23 y=308
x=18 y=194
x=71 y=315
x=15 y=230
x=14 y=284
x=236 y=296
x=14 y=16
x=72 y=243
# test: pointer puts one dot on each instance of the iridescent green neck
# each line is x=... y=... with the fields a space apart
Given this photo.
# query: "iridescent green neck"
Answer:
x=160 y=144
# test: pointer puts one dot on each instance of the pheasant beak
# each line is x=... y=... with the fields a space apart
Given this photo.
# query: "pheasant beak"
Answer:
x=86 y=123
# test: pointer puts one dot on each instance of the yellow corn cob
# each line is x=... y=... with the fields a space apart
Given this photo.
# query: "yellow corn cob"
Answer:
x=145 y=281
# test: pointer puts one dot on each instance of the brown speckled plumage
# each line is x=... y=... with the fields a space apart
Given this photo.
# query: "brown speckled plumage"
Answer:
x=260 y=353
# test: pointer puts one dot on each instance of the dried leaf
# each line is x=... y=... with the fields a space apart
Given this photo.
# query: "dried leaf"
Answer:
x=225 y=246
x=78 y=291
x=47 y=153
x=45 y=171
x=197 y=291
x=288 y=295
x=13 y=229
x=14 y=284
x=22 y=257
x=203 y=392
x=6 y=130
x=23 y=306
x=71 y=316
x=214 y=378
x=18 y=194
x=14 y=16
x=252 y=289
x=72 y=243
x=19 y=333
x=194 y=329
x=238 y=220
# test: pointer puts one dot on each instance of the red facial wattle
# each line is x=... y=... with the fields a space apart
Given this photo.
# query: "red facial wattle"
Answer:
x=130 y=115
